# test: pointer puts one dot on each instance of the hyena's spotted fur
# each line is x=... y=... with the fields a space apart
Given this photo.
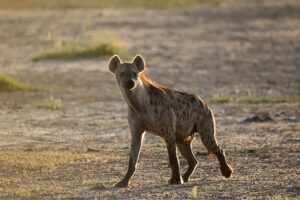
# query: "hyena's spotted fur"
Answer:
x=175 y=116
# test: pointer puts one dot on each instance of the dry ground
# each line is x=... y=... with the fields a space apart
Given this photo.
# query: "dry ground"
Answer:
x=236 y=50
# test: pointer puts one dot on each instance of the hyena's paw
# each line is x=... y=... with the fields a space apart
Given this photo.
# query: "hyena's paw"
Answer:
x=122 y=184
x=226 y=171
x=176 y=180
x=186 y=177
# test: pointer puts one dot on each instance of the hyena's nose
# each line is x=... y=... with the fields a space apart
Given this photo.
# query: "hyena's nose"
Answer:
x=129 y=84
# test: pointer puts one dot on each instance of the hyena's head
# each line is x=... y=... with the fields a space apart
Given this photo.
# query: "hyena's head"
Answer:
x=127 y=73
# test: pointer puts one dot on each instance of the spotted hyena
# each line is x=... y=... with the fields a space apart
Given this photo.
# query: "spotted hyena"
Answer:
x=175 y=116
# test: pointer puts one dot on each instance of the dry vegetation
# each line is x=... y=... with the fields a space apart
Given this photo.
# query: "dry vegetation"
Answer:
x=71 y=140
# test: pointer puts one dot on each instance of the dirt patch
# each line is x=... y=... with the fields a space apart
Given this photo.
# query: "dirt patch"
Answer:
x=260 y=117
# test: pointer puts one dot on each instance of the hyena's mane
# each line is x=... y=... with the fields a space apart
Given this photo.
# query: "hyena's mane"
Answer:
x=150 y=85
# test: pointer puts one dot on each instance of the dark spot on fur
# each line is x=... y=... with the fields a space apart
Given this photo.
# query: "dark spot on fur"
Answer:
x=151 y=102
x=193 y=99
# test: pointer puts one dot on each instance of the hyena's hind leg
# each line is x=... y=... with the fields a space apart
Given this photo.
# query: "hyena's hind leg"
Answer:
x=186 y=151
x=208 y=137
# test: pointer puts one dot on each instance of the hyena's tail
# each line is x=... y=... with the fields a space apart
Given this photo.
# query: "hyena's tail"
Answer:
x=208 y=137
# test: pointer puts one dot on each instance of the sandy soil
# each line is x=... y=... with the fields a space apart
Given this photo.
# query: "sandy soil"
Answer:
x=209 y=50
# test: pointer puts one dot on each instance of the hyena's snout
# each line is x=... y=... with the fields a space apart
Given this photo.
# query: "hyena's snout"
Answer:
x=129 y=84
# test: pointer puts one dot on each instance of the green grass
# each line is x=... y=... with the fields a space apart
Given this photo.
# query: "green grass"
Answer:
x=74 y=51
x=54 y=104
x=254 y=100
x=257 y=100
x=50 y=106
x=9 y=84
x=53 y=4
x=195 y=192
x=223 y=99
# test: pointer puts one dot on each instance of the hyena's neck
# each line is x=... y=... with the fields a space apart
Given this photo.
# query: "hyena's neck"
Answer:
x=138 y=98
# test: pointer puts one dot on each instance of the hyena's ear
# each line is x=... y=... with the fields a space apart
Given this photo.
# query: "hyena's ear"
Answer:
x=113 y=63
x=139 y=62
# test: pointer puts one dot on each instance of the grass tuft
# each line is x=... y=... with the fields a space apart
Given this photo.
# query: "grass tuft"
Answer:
x=72 y=52
x=224 y=99
x=195 y=192
x=54 y=104
x=9 y=84
x=257 y=100
x=50 y=106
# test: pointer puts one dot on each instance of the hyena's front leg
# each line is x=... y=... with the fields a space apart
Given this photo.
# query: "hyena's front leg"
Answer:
x=136 y=142
x=171 y=146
